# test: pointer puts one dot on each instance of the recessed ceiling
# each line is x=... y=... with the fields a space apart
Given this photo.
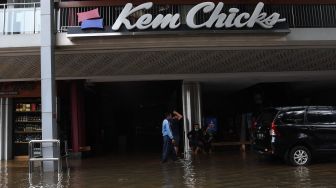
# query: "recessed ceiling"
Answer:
x=166 y=64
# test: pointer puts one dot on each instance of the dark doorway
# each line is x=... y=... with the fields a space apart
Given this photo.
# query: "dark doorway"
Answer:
x=127 y=116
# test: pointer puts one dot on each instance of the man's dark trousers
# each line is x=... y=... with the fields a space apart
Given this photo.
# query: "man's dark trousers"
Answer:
x=168 y=149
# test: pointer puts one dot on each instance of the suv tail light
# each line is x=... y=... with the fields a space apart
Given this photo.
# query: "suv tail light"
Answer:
x=274 y=130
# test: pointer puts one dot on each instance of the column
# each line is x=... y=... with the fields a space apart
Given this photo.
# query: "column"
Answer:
x=6 y=128
x=77 y=116
x=49 y=128
x=191 y=95
x=74 y=117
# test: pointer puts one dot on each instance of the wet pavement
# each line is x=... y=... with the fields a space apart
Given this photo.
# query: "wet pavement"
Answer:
x=227 y=169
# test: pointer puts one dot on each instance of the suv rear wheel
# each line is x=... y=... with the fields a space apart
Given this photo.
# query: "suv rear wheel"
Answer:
x=299 y=156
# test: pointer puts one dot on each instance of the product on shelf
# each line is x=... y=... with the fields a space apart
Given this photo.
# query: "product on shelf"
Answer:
x=27 y=122
x=27 y=127
x=28 y=107
x=33 y=107
x=26 y=118
x=27 y=138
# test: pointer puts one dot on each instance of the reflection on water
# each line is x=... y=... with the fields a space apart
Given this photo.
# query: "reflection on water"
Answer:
x=145 y=170
x=4 y=174
x=189 y=173
x=302 y=176
x=167 y=178
x=50 y=180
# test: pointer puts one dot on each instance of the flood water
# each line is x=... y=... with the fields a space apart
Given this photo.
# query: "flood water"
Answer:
x=227 y=169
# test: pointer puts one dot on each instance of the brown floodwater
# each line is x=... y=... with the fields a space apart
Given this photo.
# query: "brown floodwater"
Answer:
x=227 y=169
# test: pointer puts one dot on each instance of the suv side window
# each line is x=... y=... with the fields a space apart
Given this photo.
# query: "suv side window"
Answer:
x=295 y=116
x=321 y=117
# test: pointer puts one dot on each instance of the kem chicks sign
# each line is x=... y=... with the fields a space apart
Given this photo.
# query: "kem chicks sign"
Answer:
x=219 y=19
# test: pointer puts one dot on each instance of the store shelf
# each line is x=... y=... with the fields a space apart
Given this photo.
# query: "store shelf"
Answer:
x=26 y=132
x=27 y=121
x=27 y=124
x=28 y=112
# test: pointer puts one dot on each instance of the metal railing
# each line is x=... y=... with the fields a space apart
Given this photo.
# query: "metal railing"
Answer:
x=298 y=16
x=20 y=18
x=38 y=156
x=24 y=18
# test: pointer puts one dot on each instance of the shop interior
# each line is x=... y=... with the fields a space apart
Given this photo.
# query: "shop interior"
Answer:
x=235 y=105
x=127 y=116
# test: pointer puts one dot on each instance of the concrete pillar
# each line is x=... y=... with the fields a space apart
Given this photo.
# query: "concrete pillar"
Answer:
x=49 y=128
x=191 y=95
x=6 y=128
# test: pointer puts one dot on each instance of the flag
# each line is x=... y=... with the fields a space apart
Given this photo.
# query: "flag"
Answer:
x=88 y=15
x=92 y=24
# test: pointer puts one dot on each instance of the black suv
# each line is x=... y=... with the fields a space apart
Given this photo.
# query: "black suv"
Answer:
x=296 y=134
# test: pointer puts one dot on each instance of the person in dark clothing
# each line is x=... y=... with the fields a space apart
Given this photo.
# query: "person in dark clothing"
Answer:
x=207 y=138
x=168 y=140
x=195 y=139
x=175 y=127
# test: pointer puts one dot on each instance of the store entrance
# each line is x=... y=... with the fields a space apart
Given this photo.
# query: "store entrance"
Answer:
x=127 y=116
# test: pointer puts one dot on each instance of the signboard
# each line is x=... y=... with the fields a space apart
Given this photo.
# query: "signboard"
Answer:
x=8 y=93
x=20 y=89
x=211 y=124
x=219 y=20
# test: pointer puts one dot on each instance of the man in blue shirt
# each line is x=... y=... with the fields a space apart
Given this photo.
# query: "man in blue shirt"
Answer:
x=168 y=140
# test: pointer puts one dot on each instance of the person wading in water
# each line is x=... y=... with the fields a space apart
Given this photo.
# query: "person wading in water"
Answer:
x=175 y=127
x=168 y=140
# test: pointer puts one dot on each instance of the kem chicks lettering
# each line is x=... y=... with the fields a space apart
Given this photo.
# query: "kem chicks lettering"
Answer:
x=218 y=19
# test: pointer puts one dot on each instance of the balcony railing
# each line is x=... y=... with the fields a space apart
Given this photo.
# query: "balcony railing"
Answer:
x=20 y=18
x=297 y=15
x=24 y=18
